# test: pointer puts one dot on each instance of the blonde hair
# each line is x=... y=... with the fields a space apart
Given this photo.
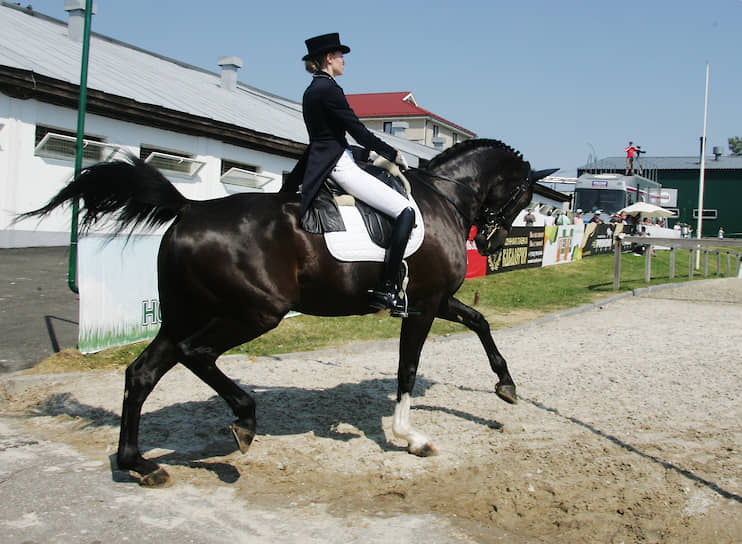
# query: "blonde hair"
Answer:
x=316 y=63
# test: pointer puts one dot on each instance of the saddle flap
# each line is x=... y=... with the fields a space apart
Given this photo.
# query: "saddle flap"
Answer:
x=324 y=214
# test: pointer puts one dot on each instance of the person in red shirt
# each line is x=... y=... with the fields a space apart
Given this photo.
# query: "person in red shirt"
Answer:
x=631 y=151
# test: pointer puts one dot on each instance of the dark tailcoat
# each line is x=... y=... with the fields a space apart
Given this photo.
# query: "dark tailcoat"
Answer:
x=328 y=117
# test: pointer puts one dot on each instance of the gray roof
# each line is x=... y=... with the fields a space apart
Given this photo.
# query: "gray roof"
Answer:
x=649 y=162
x=37 y=43
x=30 y=41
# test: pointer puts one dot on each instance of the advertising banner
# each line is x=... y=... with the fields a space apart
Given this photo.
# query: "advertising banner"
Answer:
x=524 y=248
x=597 y=239
x=476 y=264
x=117 y=280
x=562 y=243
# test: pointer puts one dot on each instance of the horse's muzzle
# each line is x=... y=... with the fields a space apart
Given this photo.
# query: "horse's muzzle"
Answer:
x=489 y=241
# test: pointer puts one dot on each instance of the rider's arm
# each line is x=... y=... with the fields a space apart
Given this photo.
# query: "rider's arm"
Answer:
x=338 y=107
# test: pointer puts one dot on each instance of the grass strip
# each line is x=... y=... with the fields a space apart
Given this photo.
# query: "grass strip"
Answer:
x=505 y=299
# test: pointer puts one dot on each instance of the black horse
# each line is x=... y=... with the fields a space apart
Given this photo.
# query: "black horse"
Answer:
x=229 y=269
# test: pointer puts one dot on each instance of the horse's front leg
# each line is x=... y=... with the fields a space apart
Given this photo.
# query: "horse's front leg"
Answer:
x=412 y=338
x=458 y=312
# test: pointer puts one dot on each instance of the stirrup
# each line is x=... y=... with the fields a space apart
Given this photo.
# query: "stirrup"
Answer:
x=398 y=307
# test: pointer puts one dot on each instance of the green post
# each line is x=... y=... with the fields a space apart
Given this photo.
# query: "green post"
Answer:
x=72 y=268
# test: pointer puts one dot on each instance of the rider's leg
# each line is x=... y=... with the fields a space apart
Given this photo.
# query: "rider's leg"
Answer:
x=385 y=296
x=375 y=193
x=362 y=185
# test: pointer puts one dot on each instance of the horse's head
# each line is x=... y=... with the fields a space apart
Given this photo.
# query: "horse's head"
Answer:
x=494 y=184
x=505 y=198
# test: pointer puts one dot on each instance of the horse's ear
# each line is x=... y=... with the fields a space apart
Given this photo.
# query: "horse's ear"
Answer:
x=541 y=174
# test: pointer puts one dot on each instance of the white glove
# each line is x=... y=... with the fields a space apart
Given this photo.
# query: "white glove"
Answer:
x=394 y=169
x=401 y=161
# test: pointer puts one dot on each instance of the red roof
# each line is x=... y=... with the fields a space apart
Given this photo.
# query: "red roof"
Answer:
x=400 y=104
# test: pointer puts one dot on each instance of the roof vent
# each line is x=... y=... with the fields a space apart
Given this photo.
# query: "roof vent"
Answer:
x=717 y=152
x=76 y=22
x=229 y=65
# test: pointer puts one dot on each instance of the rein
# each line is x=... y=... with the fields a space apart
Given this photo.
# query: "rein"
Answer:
x=489 y=219
x=489 y=222
x=444 y=196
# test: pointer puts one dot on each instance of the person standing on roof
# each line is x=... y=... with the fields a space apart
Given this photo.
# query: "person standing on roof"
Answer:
x=328 y=117
x=631 y=151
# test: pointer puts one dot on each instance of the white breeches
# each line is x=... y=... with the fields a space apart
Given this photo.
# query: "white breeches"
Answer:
x=362 y=185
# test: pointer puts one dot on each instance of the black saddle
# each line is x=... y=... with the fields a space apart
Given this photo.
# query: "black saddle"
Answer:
x=324 y=213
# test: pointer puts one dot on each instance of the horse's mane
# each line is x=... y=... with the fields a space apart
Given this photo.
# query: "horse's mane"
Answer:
x=465 y=147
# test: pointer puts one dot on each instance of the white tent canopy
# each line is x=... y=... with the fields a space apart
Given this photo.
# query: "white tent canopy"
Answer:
x=644 y=209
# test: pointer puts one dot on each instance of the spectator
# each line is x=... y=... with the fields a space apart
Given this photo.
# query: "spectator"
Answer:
x=577 y=219
x=561 y=218
x=630 y=154
x=596 y=218
x=549 y=219
x=529 y=218
x=720 y=234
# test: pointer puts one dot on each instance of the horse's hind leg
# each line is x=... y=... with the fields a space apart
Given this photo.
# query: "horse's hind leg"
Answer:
x=199 y=355
x=141 y=377
x=458 y=312
x=242 y=404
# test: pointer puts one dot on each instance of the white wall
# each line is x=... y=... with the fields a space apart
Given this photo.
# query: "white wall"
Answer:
x=27 y=182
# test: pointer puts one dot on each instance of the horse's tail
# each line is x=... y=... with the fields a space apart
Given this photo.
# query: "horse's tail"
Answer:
x=134 y=192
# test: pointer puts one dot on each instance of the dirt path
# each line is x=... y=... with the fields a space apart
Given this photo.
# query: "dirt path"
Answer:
x=629 y=429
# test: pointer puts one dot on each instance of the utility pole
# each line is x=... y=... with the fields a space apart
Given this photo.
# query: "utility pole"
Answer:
x=702 y=178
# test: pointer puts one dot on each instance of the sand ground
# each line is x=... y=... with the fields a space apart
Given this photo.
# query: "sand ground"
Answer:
x=629 y=429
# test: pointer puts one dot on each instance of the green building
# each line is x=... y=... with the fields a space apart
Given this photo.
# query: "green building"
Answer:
x=722 y=200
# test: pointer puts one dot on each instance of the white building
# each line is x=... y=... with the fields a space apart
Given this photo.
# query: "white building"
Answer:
x=209 y=133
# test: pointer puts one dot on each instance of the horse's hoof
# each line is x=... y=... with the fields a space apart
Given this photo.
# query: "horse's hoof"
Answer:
x=426 y=450
x=507 y=393
x=242 y=436
x=158 y=478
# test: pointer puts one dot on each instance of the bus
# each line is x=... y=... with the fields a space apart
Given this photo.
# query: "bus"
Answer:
x=609 y=193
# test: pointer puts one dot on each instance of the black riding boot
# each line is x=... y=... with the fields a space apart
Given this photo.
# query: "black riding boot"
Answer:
x=386 y=295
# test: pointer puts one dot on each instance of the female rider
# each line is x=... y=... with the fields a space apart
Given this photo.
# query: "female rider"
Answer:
x=328 y=117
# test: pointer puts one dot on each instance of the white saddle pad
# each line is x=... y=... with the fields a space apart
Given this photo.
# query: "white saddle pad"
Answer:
x=354 y=244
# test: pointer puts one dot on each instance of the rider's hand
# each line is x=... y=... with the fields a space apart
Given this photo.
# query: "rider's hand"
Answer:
x=401 y=162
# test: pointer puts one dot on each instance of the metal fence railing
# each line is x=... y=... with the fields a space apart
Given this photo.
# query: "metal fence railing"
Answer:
x=705 y=246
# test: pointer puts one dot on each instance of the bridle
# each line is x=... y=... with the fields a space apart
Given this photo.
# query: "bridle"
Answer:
x=443 y=195
x=489 y=221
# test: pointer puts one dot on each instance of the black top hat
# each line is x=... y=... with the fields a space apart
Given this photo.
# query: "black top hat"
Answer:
x=326 y=43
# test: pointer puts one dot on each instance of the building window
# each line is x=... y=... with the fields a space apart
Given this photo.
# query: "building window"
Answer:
x=228 y=165
x=55 y=143
x=455 y=138
x=243 y=174
x=707 y=213
x=172 y=162
x=436 y=128
x=388 y=127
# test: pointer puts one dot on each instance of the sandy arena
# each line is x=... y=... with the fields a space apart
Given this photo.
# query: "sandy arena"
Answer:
x=629 y=429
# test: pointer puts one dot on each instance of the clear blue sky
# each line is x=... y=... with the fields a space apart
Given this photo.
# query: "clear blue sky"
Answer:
x=552 y=79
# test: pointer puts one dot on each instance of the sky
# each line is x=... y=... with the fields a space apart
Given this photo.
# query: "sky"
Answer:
x=558 y=81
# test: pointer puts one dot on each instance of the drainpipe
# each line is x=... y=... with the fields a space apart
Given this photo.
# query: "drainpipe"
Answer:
x=72 y=268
